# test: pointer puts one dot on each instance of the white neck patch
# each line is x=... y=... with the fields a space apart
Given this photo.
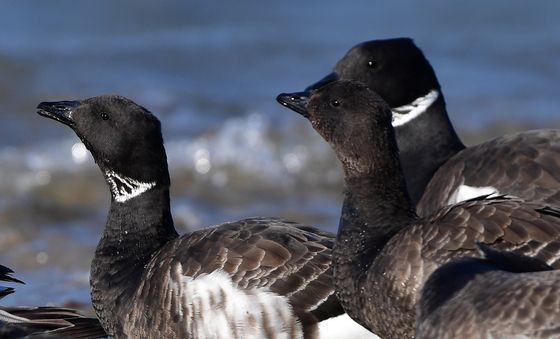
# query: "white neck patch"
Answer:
x=405 y=113
x=124 y=188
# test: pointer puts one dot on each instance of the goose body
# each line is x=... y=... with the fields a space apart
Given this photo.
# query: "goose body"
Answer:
x=253 y=278
x=498 y=296
x=384 y=251
x=523 y=164
x=439 y=169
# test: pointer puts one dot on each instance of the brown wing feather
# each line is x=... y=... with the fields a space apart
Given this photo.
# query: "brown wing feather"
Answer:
x=400 y=270
x=499 y=304
x=265 y=252
x=507 y=223
x=525 y=164
x=288 y=259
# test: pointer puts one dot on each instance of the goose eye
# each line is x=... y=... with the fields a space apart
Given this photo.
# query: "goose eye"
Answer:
x=372 y=64
x=104 y=116
x=335 y=103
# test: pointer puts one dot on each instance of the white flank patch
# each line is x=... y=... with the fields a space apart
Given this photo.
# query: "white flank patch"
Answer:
x=465 y=192
x=404 y=114
x=218 y=309
x=124 y=188
x=343 y=327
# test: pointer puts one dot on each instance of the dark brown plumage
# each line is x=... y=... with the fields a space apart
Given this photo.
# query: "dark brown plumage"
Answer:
x=384 y=251
x=503 y=295
x=258 y=277
x=524 y=164
x=288 y=259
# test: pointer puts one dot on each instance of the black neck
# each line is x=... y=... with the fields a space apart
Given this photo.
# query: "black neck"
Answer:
x=425 y=144
x=135 y=230
x=376 y=207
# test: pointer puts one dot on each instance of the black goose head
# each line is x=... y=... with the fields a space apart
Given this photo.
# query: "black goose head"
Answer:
x=123 y=137
x=353 y=119
x=395 y=69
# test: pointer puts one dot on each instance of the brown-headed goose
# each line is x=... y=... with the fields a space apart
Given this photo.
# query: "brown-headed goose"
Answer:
x=253 y=278
x=503 y=295
x=43 y=321
x=384 y=251
x=439 y=169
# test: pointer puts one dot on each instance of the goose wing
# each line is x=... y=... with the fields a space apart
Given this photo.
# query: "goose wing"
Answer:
x=476 y=299
x=252 y=277
x=290 y=259
x=505 y=223
x=525 y=164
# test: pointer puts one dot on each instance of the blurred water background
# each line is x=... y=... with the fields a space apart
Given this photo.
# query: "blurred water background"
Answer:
x=211 y=70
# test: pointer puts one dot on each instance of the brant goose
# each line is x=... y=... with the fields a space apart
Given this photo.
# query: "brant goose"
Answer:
x=504 y=295
x=44 y=321
x=384 y=251
x=439 y=170
x=253 y=278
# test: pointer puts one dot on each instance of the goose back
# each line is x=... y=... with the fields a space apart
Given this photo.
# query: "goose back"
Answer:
x=248 y=278
x=503 y=295
x=522 y=164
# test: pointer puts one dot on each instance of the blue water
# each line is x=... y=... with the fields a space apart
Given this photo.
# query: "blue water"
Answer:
x=211 y=70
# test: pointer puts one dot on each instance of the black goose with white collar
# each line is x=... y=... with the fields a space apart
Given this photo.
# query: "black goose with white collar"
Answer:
x=43 y=321
x=439 y=170
x=502 y=295
x=384 y=251
x=253 y=278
